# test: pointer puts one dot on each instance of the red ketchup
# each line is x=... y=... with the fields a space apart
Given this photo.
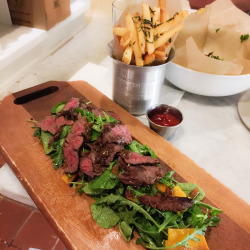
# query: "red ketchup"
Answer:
x=165 y=119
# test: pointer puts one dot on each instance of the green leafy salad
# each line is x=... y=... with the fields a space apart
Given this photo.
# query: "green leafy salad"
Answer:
x=133 y=208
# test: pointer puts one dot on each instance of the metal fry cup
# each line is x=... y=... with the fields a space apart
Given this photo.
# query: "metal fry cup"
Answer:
x=137 y=88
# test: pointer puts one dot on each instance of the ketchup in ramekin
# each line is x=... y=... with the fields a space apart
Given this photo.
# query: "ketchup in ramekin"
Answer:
x=164 y=119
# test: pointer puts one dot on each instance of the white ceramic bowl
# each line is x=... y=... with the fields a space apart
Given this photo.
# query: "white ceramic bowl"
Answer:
x=206 y=84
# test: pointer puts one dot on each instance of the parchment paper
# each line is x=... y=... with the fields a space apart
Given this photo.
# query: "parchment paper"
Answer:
x=216 y=29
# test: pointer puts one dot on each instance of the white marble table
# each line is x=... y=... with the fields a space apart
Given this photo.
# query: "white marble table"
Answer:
x=212 y=133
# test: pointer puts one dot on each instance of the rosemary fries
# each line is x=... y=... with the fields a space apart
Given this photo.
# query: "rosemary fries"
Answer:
x=148 y=36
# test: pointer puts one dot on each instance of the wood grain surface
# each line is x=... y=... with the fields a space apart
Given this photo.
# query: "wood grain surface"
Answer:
x=69 y=213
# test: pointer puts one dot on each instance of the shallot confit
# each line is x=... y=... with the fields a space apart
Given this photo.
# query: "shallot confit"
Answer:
x=132 y=188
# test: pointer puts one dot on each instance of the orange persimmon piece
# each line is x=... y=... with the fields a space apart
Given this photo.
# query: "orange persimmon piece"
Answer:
x=177 y=190
x=177 y=235
x=67 y=179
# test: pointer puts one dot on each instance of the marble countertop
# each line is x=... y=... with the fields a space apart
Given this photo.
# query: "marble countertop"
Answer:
x=212 y=134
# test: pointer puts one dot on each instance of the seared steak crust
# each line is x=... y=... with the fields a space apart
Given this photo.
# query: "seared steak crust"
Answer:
x=165 y=202
x=92 y=163
x=140 y=175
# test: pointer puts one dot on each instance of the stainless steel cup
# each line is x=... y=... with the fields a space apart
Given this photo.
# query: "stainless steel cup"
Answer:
x=137 y=88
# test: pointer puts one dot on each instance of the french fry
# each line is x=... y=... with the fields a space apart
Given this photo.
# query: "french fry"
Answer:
x=166 y=36
x=125 y=40
x=200 y=11
x=156 y=16
x=162 y=4
x=161 y=55
x=163 y=16
x=119 y=31
x=127 y=54
x=163 y=47
x=148 y=30
x=178 y=17
x=134 y=40
x=141 y=38
x=163 y=11
x=148 y=36
x=149 y=59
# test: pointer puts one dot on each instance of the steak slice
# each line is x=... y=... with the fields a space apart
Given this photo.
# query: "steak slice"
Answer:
x=86 y=166
x=71 y=158
x=69 y=110
x=93 y=162
x=108 y=152
x=52 y=124
x=73 y=143
x=134 y=158
x=165 y=202
x=115 y=133
x=72 y=104
x=70 y=114
x=140 y=175
x=74 y=140
x=89 y=167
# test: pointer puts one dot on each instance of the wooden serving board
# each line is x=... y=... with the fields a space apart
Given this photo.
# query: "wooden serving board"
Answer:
x=69 y=213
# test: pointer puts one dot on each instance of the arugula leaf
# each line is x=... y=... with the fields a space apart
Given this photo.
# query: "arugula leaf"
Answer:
x=65 y=131
x=197 y=218
x=215 y=210
x=45 y=138
x=58 y=156
x=104 y=182
x=97 y=121
x=104 y=216
x=109 y=119
x=112 y=199
x=148 y=232
x=147 y=239
x=89 y=191
x=150 y=190
x=57 y=108
x=168 y=179
x=37 y=132
x=94 y=135
x=187 y=188
x=138 y=241
x=137 y=147
x=244 y=37
x=171 y=217
x=107 y=180
x=126 y=230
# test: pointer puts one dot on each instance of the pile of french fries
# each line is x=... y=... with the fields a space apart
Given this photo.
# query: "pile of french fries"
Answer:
x=148 y=36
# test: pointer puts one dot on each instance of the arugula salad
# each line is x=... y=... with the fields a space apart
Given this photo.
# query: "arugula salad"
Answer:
x=133 y=190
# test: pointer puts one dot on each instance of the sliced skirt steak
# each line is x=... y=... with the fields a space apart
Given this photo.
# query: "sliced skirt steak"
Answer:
x=165 y=202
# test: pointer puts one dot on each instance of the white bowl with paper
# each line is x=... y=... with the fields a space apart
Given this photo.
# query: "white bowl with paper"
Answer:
x=213 y=51
x=206 y=84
